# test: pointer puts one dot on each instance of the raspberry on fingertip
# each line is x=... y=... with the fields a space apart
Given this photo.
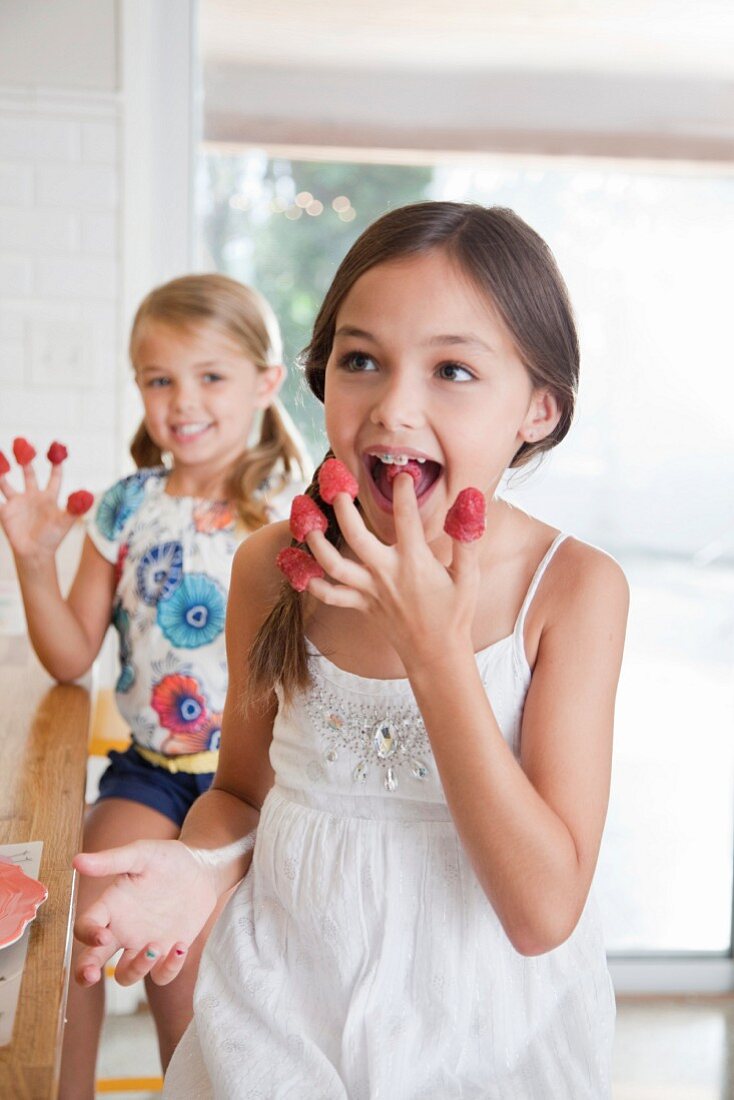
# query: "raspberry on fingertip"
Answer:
x=79 y=502
x=466 y=518
x=23 y=451
x=56 y=453
x=298 y=566
x=334 y=478
x=306 y=516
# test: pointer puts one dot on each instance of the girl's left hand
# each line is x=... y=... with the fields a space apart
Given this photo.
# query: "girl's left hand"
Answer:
x=420 y=604
x=158 y=900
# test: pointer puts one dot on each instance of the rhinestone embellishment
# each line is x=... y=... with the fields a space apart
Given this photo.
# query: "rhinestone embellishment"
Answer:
x=419 y=769
x=392 y=740
x=385 y=739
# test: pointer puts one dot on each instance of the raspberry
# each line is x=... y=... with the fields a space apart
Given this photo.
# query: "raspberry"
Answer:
x=298 y=566
x=56 y=453
x=79 y=502
x=4 y=465
x=306 y=516
x=412 y=468
x=466 y=516
x=23 y=451
x=335 y=478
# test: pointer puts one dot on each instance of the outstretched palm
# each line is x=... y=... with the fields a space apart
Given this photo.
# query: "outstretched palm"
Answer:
x=160 y=897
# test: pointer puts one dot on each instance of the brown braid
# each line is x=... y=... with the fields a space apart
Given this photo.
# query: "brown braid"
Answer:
x=278 y=654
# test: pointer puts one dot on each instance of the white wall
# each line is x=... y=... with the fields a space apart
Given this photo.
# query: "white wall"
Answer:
x=60 y=252
x=63 y=44
x=95 y=152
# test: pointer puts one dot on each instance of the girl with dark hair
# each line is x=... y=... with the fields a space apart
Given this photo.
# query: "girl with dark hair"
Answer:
x=156 y=565
x=416 y=749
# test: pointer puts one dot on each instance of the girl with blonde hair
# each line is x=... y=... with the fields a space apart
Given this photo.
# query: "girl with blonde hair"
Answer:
x=217 y=459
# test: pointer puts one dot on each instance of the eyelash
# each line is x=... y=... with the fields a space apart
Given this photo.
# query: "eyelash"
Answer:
x=163 y=383
x=347 y=362
x=458 y=366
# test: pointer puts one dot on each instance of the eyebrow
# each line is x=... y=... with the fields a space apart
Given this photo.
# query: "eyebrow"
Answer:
x=468 y=339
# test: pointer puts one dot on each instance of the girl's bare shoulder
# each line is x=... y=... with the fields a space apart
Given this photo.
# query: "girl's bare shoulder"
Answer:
x=582 y=581
x=576 y=569
x=582 y=588
x=255 y=576
x=582 y=566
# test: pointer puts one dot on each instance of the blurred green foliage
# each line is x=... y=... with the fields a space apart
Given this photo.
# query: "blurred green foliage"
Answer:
x=254 y=230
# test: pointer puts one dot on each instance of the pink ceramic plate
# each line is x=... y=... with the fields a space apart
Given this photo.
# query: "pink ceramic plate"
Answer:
x=20 y=896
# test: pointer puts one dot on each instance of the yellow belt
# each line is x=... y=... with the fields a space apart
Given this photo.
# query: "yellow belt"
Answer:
x=195 y=763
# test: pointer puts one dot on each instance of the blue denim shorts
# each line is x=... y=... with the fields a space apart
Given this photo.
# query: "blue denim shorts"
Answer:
x=131 y=777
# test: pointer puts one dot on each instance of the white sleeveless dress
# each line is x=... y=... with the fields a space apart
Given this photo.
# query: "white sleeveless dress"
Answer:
x=360 y=959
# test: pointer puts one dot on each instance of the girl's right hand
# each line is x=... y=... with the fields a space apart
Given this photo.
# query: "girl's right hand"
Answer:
x=159 y=900
x=32 y=519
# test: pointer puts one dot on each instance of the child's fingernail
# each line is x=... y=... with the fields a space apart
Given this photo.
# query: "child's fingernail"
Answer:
x=150 y=954
x=180 y=951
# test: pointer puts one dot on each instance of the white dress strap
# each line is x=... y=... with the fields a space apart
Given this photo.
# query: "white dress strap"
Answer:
x=519 y=631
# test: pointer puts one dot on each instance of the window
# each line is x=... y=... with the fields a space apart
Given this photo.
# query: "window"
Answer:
x=646 y=472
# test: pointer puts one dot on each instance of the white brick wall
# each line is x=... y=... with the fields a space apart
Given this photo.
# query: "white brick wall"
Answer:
x=61 y=343
x=74 y=199
x=27 y=136
x=74 y=187
x=16 y=184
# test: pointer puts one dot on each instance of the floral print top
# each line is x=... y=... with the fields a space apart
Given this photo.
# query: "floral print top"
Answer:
x=172 y=558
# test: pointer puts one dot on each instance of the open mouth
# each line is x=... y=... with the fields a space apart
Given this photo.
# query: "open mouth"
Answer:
x=384 y=468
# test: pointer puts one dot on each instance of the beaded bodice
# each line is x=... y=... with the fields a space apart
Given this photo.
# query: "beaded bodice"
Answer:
x=348 y=735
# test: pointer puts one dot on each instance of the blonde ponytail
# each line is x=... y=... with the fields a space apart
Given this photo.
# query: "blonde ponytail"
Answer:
x=265 y=469
x=144 y=451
